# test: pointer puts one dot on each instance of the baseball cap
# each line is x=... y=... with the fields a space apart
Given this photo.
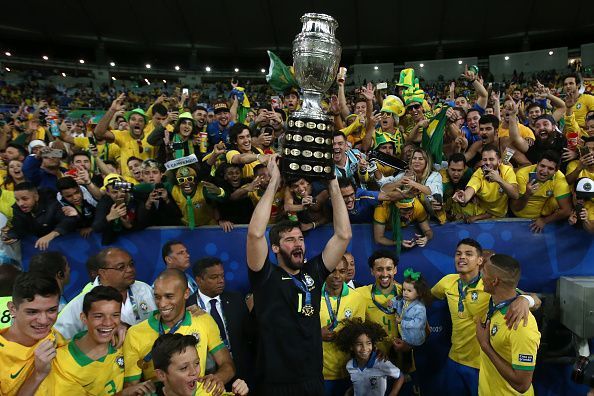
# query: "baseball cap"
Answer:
x=36 y=143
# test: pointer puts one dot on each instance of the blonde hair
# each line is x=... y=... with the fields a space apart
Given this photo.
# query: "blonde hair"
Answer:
x=428 y=163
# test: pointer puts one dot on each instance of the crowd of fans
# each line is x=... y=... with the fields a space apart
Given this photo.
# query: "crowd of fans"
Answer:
x=516 y=151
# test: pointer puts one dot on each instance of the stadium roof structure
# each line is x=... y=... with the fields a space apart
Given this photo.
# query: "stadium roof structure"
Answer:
x=194 y=33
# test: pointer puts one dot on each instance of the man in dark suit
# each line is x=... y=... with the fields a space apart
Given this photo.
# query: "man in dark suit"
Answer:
x=349 y=259
x=229 y=311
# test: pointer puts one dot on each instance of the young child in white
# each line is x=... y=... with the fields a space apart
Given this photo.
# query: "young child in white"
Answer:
x=369 y=375
x=410 y=308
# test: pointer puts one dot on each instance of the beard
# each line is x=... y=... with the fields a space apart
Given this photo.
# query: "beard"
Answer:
x=288 y=259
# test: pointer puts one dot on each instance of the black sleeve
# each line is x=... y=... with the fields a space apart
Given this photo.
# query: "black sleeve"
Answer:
x=155 y=138
x=258 y=279
x=64 y=224
x=100 y=223
x=317 y=269
x=19 y=224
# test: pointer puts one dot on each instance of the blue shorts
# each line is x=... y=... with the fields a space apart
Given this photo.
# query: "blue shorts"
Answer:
x=461 y=380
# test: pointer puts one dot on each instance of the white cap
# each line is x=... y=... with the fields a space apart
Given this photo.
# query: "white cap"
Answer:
x=585 y=185
x=36 y=143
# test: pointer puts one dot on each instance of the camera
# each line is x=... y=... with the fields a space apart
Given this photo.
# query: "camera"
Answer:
x=583 y=371
x=122 y=185
x=159 y=186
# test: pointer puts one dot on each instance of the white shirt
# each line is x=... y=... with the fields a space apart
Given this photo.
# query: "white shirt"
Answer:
x=207 y=307
x=69 y=323
x=372 y=379
x=434 y=181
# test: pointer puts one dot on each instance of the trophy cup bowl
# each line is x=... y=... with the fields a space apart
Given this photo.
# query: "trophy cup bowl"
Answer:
x=307 y=147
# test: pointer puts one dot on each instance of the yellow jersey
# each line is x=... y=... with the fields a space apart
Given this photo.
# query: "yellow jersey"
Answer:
x=517 y=347
x=544 y=200
x=247 y=170
x=132 y=147
x=203 y=211
x=5 y=318
x=572 y=166
x=17 y=364
x=490 y=196
x=382 y=213
x=140 y=338
x=352 y=305
x=110 y=151
x=525 y=132
x=375 y=314
x=74 y=373
x=6 y=202
x=465 y=347
x=584 y=104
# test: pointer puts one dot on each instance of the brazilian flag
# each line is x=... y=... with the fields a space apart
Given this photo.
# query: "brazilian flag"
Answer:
x=433 y=135
x=280 y=77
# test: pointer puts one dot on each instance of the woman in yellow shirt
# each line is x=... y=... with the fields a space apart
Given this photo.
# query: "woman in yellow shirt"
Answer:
x=14 y=176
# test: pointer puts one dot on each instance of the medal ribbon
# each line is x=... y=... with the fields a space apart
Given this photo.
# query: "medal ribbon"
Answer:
x=333 y=316
x=496 y=307
x=173 y=329
x=300 y=283
x=462 y=290
x=134 y=306
x=388 y=311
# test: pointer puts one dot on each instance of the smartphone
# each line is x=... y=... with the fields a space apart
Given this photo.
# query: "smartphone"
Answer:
x=578 y=209
x=532 y=177
x=583 y=150
x=185 y=91
x=382 y=85
x=52 y=153
x=275 y=102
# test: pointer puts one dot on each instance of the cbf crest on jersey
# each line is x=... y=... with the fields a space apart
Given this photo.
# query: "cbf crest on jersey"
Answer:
x=120 y=361
x=474 y=296
x=494 y=330
x=309 y=282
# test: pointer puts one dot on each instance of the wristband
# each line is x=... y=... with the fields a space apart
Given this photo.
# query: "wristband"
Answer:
x=531 y=301
x=258 y=157
x=221 y=193
x=314 y=224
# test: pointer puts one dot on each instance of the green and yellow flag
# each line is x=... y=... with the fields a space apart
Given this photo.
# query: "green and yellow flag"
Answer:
x=280 y=76
x=433 y=136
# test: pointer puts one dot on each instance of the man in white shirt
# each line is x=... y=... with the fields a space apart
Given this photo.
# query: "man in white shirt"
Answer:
x=229 y=311
x=115 y=269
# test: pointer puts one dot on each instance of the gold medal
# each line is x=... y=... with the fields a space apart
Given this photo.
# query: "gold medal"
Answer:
x=307 y=310
x=461 y=314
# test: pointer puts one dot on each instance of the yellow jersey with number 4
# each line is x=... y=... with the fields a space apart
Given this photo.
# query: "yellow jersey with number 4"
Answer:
x=74 y=373
x=17 y=364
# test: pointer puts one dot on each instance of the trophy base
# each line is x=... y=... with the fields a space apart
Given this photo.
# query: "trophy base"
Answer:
x=307 y=147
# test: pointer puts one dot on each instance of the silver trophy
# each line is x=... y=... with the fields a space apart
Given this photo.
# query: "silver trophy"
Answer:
x=307 y=147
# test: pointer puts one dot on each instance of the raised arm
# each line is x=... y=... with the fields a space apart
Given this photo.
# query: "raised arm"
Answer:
x=481 y=92
x=342 y=103
x=101 y=130
x=367 y=143
x=337 y=245
x=257 y=247
x=557 y=103
x=511 y=109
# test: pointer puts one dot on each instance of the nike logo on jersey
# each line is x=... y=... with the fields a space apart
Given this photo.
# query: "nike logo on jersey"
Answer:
x=13 y=376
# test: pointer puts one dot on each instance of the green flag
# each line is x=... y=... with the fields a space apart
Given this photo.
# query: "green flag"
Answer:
x=432 y=141
x=280 y=76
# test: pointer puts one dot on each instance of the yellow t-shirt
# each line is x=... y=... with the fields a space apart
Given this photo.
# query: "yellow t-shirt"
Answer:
x=376 y=315
x=571 y=167
x=382 y=213
x=203 y=211
x=584 y=104
x=17 y=364
x=6 y=202
x=517 y=347
x=544 y=201
x=352 y=305
x=5 y=319
x=247 y=170
x=131 y=147
x=465 y=347
x=277 y=209
x=525 y=132
x=490 y=195
x=74 y=373
x=38 y=135
x=140 y=338
x=113 y=150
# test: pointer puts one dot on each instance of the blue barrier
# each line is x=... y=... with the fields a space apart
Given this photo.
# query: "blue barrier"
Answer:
x=561 y=250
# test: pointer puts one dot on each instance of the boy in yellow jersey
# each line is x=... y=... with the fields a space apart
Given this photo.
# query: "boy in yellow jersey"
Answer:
x=545 y=196
x=493 y=184
x=89 y=364
x=338 y=303
x=467 y=302
x=508 y=356
x=28 y=346
x=133 y=142
x=171 y=292
x=177 y=367
x=581 y=104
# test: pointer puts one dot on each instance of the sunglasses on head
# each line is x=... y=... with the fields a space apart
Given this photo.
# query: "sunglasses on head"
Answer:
x=187 y=179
